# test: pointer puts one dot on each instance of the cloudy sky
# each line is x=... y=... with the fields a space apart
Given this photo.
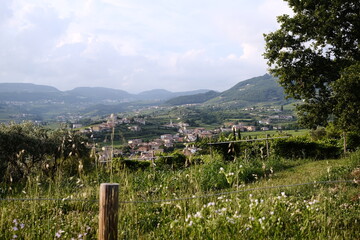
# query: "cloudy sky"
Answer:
x=135 y=45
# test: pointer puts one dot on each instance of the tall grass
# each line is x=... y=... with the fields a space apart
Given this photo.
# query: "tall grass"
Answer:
x=308 y=212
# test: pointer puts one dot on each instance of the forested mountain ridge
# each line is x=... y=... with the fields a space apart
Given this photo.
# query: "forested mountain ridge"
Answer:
x=255 y=90
x=32 y=92
x=193 y=99
x=258 y=89
x=44 y=102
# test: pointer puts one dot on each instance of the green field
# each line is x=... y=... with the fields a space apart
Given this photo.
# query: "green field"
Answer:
x=314 y=211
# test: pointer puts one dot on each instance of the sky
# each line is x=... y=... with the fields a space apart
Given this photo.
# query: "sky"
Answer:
x=135 y=45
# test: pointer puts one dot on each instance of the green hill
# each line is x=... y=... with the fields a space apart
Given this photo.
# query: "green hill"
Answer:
x=255 y=90
x=192 y=99
x=262 y=89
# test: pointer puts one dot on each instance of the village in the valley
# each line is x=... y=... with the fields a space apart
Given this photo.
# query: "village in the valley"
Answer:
x=184 y=136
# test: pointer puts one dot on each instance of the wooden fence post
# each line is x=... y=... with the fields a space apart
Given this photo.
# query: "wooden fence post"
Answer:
x=108 y=211
x=267 y=146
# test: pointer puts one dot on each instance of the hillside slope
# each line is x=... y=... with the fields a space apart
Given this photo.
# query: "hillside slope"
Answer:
x=258 y=89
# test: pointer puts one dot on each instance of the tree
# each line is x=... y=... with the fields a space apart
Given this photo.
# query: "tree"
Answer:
x=311 y=50
x=346 y=93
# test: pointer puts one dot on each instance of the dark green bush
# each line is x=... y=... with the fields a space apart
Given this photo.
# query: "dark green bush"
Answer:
x=173 y=161
x=301 y=147
x=134 y=165
x=353 y=141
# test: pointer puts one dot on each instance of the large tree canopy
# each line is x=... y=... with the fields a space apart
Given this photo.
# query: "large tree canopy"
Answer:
x=311 y=50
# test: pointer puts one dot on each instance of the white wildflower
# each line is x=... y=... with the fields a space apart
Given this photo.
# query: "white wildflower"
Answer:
x=198 y=215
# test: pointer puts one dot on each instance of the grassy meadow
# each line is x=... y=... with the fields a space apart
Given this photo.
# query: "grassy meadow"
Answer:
x=69 y=209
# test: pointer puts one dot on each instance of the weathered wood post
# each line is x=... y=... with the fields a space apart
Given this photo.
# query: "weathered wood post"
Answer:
x=344 y=134
x=108 y=211
x=267 y=146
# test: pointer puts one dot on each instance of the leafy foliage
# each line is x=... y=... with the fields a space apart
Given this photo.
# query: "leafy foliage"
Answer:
x=311 y=49
x=347 y=99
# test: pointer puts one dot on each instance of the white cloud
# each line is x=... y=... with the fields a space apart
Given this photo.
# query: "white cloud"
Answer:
x=135 y=46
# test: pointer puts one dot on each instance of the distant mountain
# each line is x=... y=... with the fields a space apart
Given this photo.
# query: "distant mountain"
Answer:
x=162 y=95
x=255 y=90
x=193 y=99
x=100 y=94
x=48 y=102
x=26 y=92
x=26 y=87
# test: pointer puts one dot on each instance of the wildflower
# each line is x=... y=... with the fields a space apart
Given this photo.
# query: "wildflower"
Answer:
x=198 y=215
x=22 y=225
x=15 y=228
x=211 y=204
x=190 y=223
x=15 y=236
x=250 y=195
x=80 y=235
x=283 y=194
x=271 y=213
x=230 y=220
x=15 y=221
x=221 y=169
x=58 y=233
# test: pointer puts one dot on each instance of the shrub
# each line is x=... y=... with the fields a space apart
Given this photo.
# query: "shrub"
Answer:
x=134 y=165
x=173 y=161
x=301 y=147
x=353 y=141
